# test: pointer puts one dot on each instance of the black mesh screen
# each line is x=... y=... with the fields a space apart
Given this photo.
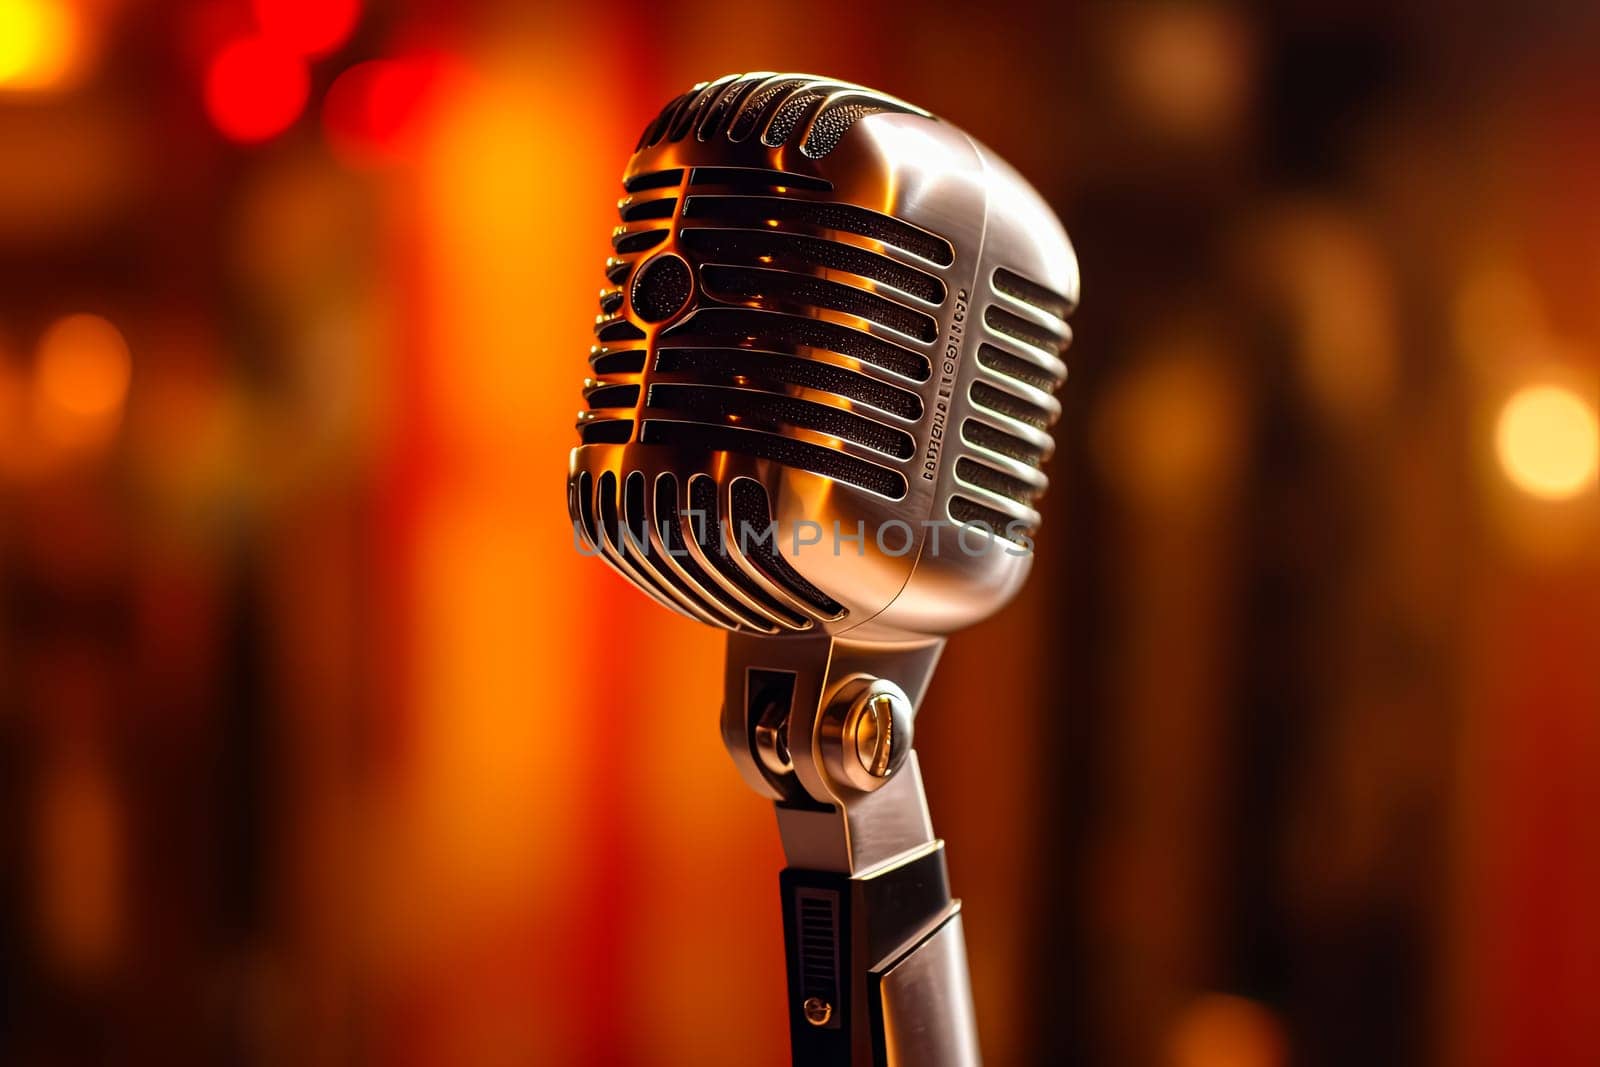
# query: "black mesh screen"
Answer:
x=606 y=432
x=799 y=454
x=1015 y=285
x=661 y=288
x=750 y=512
x=762 y=410
x=965 y=510
x=1027 y=332
x=644 y=210
x=1013 y=366
x=789 y=115
x=986 y=395
x=614 y=396
x=658 y=179
x=829 y=128
x=995 y=440
x=986 y=477
x=728 y=364
x=797 y=251
x=759 y=211
x=741 y=325
x=705 y=525
x=618 y=330
x=637 y=241
x=762 y=284
x=628 y=362
x=757 y=178
x=760 y=106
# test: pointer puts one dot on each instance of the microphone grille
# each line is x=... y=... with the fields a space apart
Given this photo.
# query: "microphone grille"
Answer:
x=739 y=105
x=752 y=361
x=784 y=334
x=1005 y=438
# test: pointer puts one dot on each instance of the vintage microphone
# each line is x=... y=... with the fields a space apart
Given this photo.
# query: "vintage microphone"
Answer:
x=817 y=413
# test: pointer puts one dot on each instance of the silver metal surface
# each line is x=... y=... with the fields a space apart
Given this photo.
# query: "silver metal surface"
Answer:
x=829 y=310
x=859 y=829
x=928 y=1019
x=945 y=391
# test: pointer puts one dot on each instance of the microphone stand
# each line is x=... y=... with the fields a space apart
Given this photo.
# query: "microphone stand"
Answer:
x=877 y=960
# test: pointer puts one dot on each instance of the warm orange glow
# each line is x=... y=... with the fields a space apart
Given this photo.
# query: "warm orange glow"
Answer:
x=82 y=378
x=39 y=43
x=1548 y=441
x=1184 y=69
x=1224 y=1031
x=1169 y=436
x=78 y=868
x=255 y=89
x=13 y=417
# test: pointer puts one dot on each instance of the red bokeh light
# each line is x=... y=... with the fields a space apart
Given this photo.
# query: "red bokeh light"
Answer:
x=255 y=89
x=373 y=110
x=309 y=27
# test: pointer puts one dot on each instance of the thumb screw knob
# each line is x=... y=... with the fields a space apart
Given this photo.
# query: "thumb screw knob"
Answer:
x=873 y=739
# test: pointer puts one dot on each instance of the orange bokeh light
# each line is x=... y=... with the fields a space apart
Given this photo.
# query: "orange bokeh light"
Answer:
x=255 y=89
x=1217 y=1030
x=82 y=377
x=308 y=27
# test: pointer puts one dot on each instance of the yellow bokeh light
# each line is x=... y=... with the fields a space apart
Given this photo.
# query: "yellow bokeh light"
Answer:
x=39 y=43
x=82 y=378
x=1548 y=441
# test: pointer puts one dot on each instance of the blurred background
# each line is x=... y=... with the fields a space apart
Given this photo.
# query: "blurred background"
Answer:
x=1289 y=753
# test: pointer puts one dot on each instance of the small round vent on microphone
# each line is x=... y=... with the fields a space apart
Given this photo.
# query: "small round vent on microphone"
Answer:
x=662 y=287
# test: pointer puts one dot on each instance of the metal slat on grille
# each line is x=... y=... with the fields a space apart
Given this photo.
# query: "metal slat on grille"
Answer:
x=1017 y=368
x=751 y=512
x=1010 y=405
x=799 y=252
x=604 y=431
x=667 y=523
x=766 y=286
x=812 y=319
x=786 y=450
x=752 y=408
x=1029 y=292
x=735 y=366
x=751 y=326
x=986 y=477
x=649 y=552
x=757 y=178
x=1004 y=442
x=1021 y=329
x=994 y=439
x=706 y=528
x=823 y=215
x=628 y=361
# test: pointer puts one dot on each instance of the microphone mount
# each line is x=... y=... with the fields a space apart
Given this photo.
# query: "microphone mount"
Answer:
x=877 y=968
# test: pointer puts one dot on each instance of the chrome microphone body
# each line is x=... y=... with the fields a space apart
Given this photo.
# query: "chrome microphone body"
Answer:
x=817 y=413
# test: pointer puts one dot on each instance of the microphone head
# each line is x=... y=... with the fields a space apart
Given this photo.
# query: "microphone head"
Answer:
x=825 y=363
